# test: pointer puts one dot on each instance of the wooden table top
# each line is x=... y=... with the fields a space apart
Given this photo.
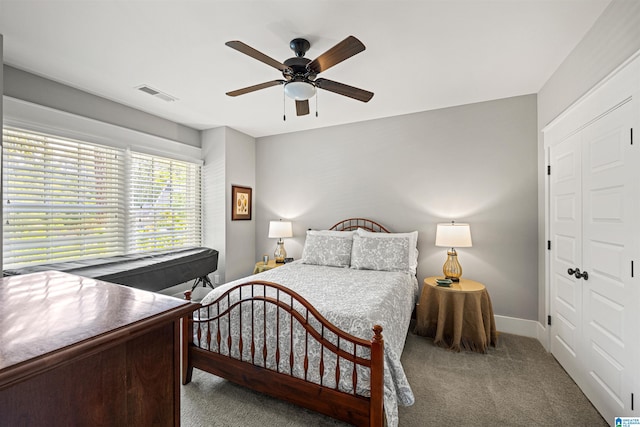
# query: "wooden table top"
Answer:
x=48 y=313
x=464 y=285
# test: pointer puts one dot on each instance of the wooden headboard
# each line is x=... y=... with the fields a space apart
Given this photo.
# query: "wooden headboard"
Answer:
x=355 y=223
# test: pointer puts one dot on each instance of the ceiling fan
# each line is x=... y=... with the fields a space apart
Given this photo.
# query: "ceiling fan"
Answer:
x=300 y=73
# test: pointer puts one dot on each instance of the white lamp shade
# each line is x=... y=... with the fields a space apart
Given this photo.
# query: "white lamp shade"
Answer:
x=280 y=229
x=300 y=91
x=453 y=235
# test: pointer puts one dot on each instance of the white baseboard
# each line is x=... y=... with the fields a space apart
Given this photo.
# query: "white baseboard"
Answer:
x=543 y=336
x=523 y=327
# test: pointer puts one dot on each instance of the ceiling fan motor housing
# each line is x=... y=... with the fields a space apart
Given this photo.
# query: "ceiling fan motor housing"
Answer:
x=298 y=66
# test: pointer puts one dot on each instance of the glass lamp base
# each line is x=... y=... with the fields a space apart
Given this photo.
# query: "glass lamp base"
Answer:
x=452 y=268
x=280 y=254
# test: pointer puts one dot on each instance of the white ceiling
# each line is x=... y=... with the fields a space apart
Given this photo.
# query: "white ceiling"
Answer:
x=420 y=55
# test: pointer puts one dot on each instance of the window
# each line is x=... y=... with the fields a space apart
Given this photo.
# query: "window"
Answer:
x=65 y=199
x=164 y=208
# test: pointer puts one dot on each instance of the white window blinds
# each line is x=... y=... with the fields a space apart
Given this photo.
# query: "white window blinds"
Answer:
x=65 y=199
x=62 y=199
x=164 y=203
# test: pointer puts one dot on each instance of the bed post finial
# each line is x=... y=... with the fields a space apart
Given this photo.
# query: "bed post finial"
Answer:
x=187 y=295
x=377 y=334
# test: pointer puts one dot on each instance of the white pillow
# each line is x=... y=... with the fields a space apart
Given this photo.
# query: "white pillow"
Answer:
x=413 y=244
x=330 y=250
x=391 y=254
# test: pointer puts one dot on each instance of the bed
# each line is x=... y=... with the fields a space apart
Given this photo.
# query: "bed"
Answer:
x=311 y=332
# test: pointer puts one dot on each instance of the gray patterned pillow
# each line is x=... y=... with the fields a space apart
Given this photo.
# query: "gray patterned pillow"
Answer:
x=413 y=244
x=334 y=251
x=391 y=254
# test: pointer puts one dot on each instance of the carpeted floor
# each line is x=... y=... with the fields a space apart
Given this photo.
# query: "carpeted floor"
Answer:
x=515 y=384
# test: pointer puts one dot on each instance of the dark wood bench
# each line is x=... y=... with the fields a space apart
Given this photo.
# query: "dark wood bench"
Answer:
x=151 y=271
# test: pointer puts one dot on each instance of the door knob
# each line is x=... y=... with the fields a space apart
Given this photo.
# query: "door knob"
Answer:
x=578 y=274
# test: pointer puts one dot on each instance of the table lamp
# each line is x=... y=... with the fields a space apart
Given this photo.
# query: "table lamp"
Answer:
x=279 y=230
x=453 y=235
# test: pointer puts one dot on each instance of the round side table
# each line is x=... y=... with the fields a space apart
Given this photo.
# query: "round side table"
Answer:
x=456 y=317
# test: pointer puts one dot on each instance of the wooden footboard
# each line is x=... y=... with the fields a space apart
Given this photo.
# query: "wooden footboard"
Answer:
x=247 y=336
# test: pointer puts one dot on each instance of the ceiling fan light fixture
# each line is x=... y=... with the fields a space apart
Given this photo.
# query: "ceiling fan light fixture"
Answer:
x=299 y=90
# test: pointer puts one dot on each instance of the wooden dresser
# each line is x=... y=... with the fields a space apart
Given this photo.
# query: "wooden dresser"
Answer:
x=78 y=351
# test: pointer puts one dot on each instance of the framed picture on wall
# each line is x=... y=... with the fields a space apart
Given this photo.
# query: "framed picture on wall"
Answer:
x=240 y=203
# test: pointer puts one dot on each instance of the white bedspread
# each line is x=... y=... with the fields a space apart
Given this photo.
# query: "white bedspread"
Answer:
x=354 y=301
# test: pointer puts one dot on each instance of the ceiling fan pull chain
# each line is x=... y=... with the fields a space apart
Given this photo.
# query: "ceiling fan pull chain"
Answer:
x=317 y=94
x=284 y=107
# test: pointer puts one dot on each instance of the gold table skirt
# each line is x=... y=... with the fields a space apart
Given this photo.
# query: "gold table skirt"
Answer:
x=456 y=319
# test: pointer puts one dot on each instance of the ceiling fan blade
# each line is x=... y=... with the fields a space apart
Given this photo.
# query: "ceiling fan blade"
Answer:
x=343 y=89
x=302 y=107
x=343 y=50
x=248 y=50
x=256 y=87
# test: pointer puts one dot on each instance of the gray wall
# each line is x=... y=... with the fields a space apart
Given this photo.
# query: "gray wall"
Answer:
x=474 y=163
x=229 y=159
x=241 y=235
x=614 y=37
x=29 y=87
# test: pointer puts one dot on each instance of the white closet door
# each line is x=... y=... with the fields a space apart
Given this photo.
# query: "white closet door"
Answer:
x=593 y=205
x=566 y=234
x=609 y=191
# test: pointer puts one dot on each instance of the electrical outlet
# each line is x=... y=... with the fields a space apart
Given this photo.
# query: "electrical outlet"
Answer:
x=216 y=279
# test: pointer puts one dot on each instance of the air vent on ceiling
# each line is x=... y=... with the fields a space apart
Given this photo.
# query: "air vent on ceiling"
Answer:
x=155 y=92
